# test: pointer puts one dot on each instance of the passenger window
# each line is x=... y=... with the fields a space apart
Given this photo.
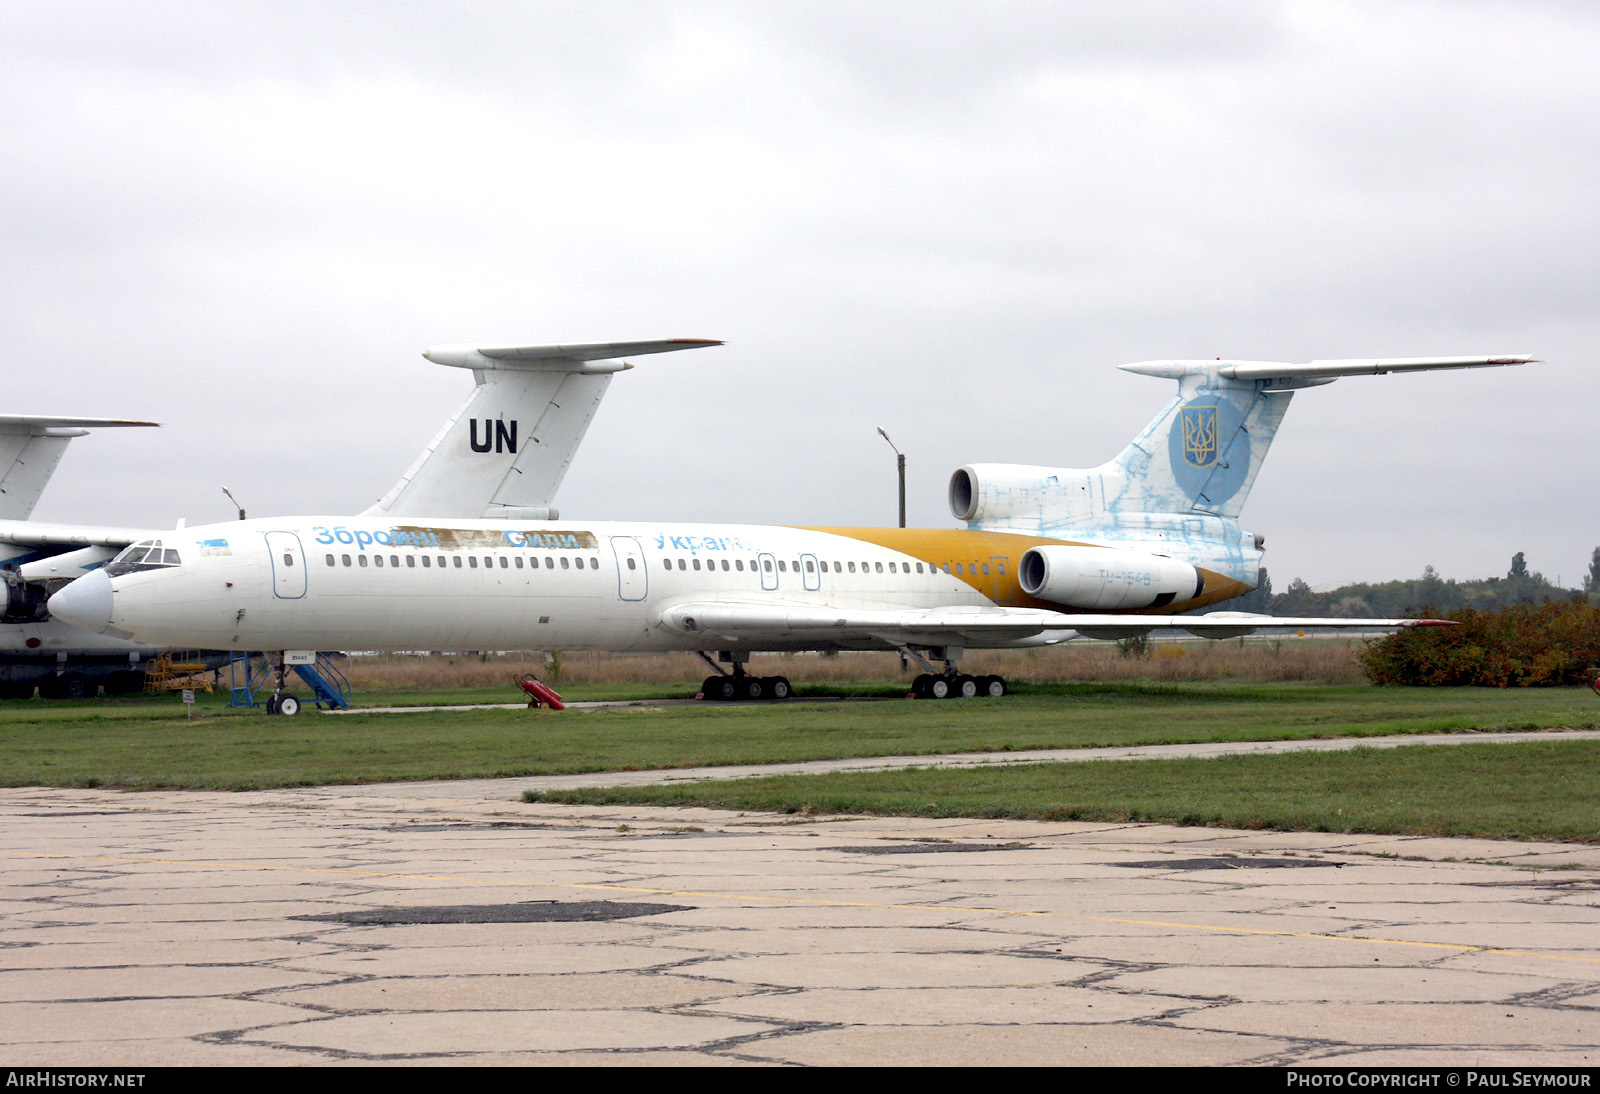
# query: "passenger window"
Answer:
x=1002 y=566
x=782 y=569
x=852 y=567
x=472 y=560
x=878 y=567
x=346 y=559
x=394 y=560
x=288 y=559
x=945 y=567
x=377 y=560
x=330 y=560
x=549 y=562
x=519 y=562
x=631 y=566
x=362 y=559
x=697 y=564
x=724 y=565
x=666 y=563
x=766 y=564
x=919 y=567
x=505 y=562
x=426 y=561
x=411 y=562
x=458 y=561
x=810 y=569
x=738 y=564
x=836 y=568
x=985 y=567
x=682 y=565
x=565 y=563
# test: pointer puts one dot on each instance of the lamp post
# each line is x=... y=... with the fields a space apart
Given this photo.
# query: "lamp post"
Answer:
x=900 y=464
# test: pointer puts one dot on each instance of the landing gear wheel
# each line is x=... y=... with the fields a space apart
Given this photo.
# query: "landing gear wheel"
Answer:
x=777 y=687
x=966 y=687
x=289 y=706
x=272 y=704
x=708 y=688
x=939 y=688
x=992 y=686
x=753 y=687
x=723 y=688
x=919 y=686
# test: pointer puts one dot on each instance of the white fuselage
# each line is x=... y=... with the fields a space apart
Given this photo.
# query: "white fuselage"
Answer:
x=311 y=583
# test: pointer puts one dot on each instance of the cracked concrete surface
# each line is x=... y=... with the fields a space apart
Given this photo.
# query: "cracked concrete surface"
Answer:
x=167 y=928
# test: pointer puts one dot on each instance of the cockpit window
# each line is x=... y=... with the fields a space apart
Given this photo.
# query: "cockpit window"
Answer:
x=146 y=555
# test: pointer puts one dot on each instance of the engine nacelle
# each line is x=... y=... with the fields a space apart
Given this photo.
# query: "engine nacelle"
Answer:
x=997 y=492
x=1106 y=578
x=24 y=600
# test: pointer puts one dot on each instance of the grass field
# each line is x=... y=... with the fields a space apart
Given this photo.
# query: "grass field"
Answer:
x=1214 y=693
x=1532 y=790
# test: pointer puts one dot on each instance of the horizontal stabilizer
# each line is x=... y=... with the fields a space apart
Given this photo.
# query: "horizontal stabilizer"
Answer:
x=570 y=358
x=1315 y=372
x=43 y=423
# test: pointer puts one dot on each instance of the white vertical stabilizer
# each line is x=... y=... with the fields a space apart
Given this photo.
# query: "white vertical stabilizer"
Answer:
x=30 y=448
x=505 y=452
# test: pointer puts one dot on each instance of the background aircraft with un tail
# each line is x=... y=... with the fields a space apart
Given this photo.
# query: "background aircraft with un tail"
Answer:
x=502 y=454
x=1048 y=554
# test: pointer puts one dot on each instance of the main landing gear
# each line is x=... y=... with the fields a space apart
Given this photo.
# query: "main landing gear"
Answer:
x=951 y=684
x=727 y=687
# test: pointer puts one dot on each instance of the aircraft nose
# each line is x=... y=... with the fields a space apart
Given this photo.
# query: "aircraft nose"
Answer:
x=85 y=602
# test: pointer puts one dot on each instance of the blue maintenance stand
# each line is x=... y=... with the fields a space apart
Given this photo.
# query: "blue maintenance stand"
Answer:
x=249 y=677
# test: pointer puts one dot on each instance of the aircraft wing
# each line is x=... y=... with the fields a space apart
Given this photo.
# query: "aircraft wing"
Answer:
x=740 y=623
x=45 y=552
x=32 y=533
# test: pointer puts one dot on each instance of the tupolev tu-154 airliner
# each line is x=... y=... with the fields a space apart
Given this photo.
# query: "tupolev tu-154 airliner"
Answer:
x=1048 y=554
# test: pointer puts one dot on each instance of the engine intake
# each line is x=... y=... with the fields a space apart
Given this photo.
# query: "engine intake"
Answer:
x=1106 y=578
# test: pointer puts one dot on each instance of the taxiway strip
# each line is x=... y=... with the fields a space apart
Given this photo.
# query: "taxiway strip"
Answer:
x=303 y=926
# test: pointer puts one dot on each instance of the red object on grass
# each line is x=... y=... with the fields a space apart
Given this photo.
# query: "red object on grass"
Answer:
x=540 y=694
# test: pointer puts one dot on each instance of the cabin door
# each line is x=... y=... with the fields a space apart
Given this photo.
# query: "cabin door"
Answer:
x=633 y=580
x=1000 y=570
x=288 y=565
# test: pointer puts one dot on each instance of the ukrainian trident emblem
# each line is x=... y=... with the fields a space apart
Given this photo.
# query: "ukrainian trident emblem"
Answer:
x=1199 y=435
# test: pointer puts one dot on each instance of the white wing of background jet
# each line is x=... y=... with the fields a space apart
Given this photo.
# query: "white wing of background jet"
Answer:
x=751 y=624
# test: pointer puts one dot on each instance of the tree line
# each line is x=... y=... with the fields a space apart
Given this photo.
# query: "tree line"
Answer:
x=1430 y=592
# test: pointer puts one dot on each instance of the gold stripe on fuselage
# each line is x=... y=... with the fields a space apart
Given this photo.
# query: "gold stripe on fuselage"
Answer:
x=982 y=555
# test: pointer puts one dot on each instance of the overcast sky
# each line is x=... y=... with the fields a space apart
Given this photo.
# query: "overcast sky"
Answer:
x=951 y=220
